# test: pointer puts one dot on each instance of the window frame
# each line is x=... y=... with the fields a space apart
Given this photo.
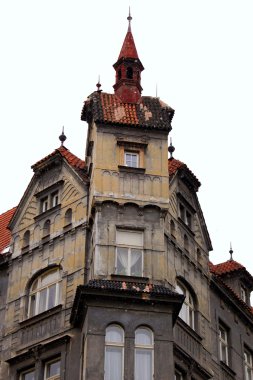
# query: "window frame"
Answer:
x=35 y=294
x=22 y=374
x=248 y=364
x=129 y=248
x=144 y=347
x=132 y=154
x=49 y=362
x=189 y=305
x=117 y=345
x=223 y=344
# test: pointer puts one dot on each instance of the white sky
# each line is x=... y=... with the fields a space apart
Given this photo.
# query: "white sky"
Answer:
x=199 y=53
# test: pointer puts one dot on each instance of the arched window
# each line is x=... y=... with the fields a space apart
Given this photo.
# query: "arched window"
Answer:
x=144 y=354
x=46 y=228
x=114 y=353
x=188 y=308
x=129 y=73
x=44 y=292
x=26 y=238
x=68 y=216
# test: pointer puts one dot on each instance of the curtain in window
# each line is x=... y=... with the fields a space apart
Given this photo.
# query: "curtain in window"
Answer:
x=114 y=349
x=136 y=262
x=122 y=260
x=143 y=354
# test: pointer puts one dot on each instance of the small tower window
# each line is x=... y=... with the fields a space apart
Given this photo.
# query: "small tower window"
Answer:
x=129 y=73
x=119 y=74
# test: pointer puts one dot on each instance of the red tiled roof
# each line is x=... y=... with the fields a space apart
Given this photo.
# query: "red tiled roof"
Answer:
x=74 y=161
x=149 y=112
x=128 y=49
x=174 y=165
x=226 y=267
x=5 y=234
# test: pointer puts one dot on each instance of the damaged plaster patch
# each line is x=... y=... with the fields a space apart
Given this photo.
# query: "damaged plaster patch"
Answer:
x=163 y=105
x=119 y=113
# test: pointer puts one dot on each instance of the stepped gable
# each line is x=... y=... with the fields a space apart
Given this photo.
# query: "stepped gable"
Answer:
x=107 y=108
x=76 y=163
x=5 y=234
x=185 y=173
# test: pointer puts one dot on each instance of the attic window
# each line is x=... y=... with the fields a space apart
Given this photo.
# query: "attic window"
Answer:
x=243 y=294
x=185 y=215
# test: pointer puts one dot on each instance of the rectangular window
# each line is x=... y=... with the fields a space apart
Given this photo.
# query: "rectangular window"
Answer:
x=27 y=375
x=132 y=159
x=243 y=294
x=52 y=370
x=129 y=253
x=223 y=344
x=54 y=199
x=44 y=204
x=185 y=215
x=248 y=365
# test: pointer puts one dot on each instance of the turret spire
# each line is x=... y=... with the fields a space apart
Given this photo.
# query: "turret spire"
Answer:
x=128 y=69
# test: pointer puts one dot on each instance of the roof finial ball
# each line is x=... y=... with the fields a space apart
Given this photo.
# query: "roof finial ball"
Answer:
x=98 y=85
x=62 y=137
x=231 y=252
x=171 y=149
x=129 y=20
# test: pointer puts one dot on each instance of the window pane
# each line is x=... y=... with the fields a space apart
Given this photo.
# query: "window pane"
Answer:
x=143 y=337
x=28 y=375
x=130 y=238
x=51 y=296
x=32 y=304
x=122 y=261
x=53 y=369
x=113 y=363
x=136 y=262
x=143 y=364
x=114 y=334
x=42 y=300
x=49 y=277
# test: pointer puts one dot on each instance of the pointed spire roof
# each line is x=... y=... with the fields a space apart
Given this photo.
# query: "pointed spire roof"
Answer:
x=128 y=49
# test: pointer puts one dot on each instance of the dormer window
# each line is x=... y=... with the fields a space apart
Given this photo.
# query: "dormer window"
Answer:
x=132 y=159
x=243 y=294
x=49 y=198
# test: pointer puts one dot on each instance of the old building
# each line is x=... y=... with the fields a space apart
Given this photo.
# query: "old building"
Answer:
x=104 y=264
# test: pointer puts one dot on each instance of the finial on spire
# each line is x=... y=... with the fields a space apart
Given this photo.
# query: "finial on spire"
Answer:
x=62 y=137
x=129 y=20
x=231 y=252
x=156 y=92
x=171 y=149
x=98 y=84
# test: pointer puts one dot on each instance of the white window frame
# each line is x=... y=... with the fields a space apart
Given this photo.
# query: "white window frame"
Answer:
x=185 y=215
x=35 y=294
x=187 y=312
x=178 y=375
x=120 y=346
x=24 y=373
x=47 y=364
x=248 y=364
x=54 y=198
x=223 y=344
x=243 y=294
x=144 y=347
x=131 y=155
x=129 y=248
x=44 y=204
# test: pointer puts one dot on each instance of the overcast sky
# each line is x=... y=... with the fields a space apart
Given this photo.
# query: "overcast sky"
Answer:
x=197 y=52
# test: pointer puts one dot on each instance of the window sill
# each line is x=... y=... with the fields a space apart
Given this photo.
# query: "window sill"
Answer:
x=47 y=213
x=39 y=317
x=130 y=169
x=227 y=369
